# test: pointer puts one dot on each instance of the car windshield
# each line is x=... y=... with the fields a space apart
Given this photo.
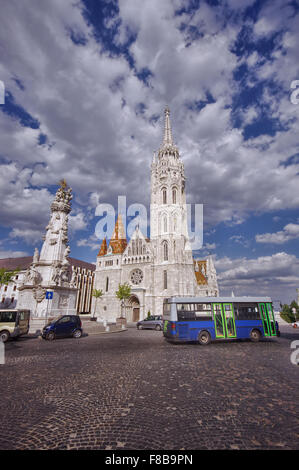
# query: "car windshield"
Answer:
x=54 y=320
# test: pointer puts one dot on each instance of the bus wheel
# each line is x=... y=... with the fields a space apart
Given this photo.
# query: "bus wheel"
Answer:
x=4 y=336
x=50 y=336
x=204 y=337
x=255 y=336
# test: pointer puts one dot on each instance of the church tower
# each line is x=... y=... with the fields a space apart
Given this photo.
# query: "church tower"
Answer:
x=173 y=261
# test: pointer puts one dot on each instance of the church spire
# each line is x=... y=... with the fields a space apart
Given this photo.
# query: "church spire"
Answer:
x=167 y=148
x=118 y=240
x=167 y=140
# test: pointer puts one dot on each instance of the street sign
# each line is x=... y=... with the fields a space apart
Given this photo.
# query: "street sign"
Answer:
x=49 y=294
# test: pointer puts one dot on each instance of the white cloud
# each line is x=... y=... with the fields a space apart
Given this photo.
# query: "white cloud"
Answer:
x=77 y=222
x=92 y=242
x=103 y=146
x=241 y=240
x=289 y=232
x=276 y=275
x=12 y=254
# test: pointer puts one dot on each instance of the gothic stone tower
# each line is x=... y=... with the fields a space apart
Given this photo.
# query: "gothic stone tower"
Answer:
x=172 y=254
x=161 y=266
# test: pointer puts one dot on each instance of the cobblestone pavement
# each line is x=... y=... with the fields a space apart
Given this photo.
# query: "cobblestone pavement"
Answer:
x=133 y=390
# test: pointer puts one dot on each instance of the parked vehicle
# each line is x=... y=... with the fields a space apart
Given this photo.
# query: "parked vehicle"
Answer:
x=62 y=327
x=206 y=319
x=13 y=323
x=154 y=322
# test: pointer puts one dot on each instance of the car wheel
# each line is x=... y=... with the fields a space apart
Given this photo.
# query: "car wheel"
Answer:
x=77 y=334
x=139 y=327
x=4 y=336
x=255 y=335
x=158 y=328
x=50 y=336
x=204 y=338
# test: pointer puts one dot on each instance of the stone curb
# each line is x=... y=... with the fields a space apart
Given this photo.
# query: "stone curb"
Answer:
x=103 y=332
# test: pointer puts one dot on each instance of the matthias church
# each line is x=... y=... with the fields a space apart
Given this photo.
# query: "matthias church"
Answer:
x=163 y=265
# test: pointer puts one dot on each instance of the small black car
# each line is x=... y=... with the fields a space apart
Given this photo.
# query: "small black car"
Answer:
x=62 y=327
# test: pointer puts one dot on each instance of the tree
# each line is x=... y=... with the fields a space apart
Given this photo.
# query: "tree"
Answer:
x=286 y=313
x=295 y=310
x=7 y=276
x=97 y=294
x=123 y=293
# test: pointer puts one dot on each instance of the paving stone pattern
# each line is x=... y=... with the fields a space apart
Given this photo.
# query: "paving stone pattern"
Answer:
x=133 y=390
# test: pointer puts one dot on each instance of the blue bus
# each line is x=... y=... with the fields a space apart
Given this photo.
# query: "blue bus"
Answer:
x=205 y=319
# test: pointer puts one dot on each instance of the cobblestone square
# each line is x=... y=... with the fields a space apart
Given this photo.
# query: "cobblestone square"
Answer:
x=133 y=390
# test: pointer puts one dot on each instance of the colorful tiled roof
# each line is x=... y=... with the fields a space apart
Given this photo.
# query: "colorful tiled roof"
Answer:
x=103 y=249
x=118 y=241
x=200 y=268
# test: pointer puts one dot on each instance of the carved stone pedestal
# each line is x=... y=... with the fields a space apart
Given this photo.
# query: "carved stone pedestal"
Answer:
x=121 y=322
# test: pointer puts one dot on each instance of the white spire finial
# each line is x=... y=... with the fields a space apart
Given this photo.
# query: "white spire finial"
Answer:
x=167 y=128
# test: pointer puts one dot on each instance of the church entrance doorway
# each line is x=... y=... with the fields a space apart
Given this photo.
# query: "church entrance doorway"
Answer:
x=133 y=309
x=136 y=311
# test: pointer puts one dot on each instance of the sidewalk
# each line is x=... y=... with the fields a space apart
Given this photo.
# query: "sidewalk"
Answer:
x=97 y=328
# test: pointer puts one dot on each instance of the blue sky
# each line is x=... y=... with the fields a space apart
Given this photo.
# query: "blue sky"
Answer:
x=86 y=84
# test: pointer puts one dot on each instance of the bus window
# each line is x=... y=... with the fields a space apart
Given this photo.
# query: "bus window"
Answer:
x=246 y=312
x=186 y=316
x=203 y=312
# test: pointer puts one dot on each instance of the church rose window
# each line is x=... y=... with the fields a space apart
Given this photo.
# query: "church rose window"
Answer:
x=136 y=276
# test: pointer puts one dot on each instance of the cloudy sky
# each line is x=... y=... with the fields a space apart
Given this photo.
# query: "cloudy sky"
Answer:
x=86 y=83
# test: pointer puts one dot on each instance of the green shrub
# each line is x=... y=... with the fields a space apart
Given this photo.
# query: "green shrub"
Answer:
x=287 y=314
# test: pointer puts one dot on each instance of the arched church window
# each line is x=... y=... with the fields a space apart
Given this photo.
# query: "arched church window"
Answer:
x=174 y=196
x=175 y=224
x=165 y=251
x=164 y=196
x=165 y=223
x=107 y=284
x=165 y=279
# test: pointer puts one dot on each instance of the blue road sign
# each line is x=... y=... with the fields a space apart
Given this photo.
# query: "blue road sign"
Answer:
x=49 y=295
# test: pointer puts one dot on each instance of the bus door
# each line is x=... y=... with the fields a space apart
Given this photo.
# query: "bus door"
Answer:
x=268 y=319
x=224 y=321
